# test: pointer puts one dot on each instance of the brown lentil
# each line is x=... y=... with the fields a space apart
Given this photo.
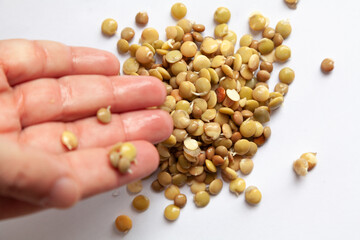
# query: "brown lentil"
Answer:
x=142 y=18
x=327 y=65
x=180 y=200
x=141 y=203
x=123 y=223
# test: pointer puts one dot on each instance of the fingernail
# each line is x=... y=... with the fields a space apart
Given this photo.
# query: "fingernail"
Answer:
x=64 y=193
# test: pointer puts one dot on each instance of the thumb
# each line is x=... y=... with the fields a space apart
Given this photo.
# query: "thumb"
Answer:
x=36 y=177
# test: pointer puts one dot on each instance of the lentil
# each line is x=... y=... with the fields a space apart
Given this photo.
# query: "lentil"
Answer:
x=123 y=223
x=268 y=33
x=221 y=30
x=265 y=46
x=178 y=10
x=237 y=186
x=171 y=192
x=198 y=27
x=201 y=199
x=142 y=18
x=134 y=187
x=164 y=178
x=141 y=203
x=267 y=66
x=122 y=46
x=245 y=40
x=172 y=212
x=109 y=27
x=327 y=65
x=215 y=186
x=180 y=200
x=301 y=166
x=127 y=33
x=284 y=28
x=282 y=53
x=222 y=15
x=69 y=139
x=246 y=166
x=311 y=159
x=252 y=195
x=277 y=39
x=257 y=22
x=149 y=35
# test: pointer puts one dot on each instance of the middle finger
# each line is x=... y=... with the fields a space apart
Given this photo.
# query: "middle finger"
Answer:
x=74 y=97
x=150 y=125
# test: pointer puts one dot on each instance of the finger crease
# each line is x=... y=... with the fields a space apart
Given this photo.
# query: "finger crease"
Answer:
x=42 y=54
x=65 y=92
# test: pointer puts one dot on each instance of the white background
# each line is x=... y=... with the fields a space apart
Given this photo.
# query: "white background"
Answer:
x=320 y=114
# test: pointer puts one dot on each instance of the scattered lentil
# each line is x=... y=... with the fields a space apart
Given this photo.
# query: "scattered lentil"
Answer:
x=237 y=186
x=109 y=27
x=172 y=212
x=327 y=65
x=123 y=223
x=142 y=18
x=178 y=10
x=201 y=199
x=252 y=195
x=286 y=75
x=141 y=203
x=301 y=166
x=180 y=200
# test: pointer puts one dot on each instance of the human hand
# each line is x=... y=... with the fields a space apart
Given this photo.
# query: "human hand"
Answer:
x=46 y=88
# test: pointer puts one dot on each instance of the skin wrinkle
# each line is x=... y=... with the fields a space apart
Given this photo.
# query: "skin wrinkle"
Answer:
x=73 y=59
x=19 y=104
x=65 y=93
x=113 y=91
x=42 y=54
x=4 y=84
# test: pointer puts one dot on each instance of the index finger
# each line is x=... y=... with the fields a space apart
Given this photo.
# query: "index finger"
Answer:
x=24 y=60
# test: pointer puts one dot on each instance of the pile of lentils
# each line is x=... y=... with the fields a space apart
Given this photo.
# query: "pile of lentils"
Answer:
x=218 y=98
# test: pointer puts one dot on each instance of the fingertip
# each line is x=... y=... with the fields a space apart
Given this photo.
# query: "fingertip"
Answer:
x=160 y=86
x=147 y=158
x=94 y=61
x=114 y=63
x=168 y=124
x=64 y=194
